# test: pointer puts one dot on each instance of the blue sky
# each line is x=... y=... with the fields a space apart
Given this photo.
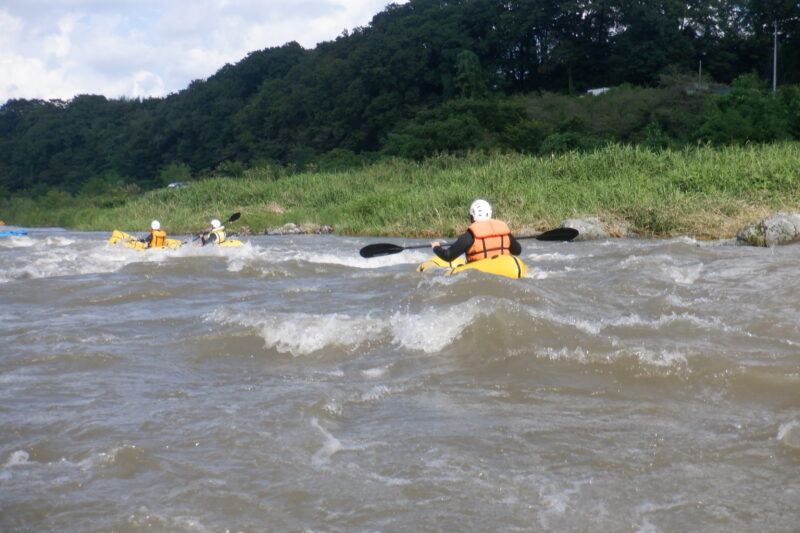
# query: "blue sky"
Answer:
x=140 y=48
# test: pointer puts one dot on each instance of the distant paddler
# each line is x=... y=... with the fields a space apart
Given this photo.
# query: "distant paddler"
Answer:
x=216 y=235
x=486 y=237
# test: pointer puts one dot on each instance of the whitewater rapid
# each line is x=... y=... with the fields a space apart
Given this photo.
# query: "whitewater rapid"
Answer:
x=292 y=385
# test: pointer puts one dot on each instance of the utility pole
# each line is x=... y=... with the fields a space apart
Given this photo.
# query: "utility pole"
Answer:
x=775 y=56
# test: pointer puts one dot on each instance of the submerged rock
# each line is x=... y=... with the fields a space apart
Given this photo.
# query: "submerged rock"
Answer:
x=591 y=228
x=290 y=228
x=780 y=228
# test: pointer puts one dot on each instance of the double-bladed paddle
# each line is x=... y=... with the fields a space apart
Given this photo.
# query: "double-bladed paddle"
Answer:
x=233 y=217
x=383 y=248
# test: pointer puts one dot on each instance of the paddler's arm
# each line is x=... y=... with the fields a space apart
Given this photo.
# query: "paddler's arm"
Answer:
x=458 y=248
x=516 y=247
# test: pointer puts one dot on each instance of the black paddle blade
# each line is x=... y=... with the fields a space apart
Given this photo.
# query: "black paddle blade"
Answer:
x=233 y=217
x=381 y=248
x=558 y=234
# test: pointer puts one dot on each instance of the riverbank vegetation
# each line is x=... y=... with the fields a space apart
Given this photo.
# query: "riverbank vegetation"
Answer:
x=702 y=191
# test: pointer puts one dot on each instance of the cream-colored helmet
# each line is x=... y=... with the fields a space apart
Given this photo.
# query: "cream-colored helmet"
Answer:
x=215 y=223
x=155 y=225
x=480 y=210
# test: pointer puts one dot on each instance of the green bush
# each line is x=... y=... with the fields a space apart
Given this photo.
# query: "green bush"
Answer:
x=748 y=113
x=525 y=136
x=569 y=141
x=232 y=169
x=174 y=172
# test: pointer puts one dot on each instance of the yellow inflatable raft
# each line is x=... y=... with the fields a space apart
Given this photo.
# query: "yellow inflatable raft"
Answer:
x=129 y=241
x=509 y=266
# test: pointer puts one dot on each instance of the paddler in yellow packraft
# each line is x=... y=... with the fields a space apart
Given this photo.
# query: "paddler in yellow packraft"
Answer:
x=486 y=237
x=156 y=237
x=216 y=235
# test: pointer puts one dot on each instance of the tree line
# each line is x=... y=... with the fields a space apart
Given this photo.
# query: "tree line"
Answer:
x=435 y=76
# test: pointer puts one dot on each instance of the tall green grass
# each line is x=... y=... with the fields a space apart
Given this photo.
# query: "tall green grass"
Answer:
x=703 y=191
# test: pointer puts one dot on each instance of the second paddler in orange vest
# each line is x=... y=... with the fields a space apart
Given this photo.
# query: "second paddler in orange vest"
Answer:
x=156 y=237
x=486 y=237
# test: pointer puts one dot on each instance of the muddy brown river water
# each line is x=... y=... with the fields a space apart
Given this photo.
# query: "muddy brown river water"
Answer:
x=291 y=385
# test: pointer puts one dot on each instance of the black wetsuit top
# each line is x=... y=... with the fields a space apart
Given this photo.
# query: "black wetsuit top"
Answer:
x=464 y=243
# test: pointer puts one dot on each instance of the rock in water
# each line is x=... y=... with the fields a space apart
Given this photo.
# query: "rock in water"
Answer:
x=779 y=228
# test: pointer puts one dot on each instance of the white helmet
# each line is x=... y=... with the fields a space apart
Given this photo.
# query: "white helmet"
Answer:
x=480 y=210
x=215 y=223
x=155 y=224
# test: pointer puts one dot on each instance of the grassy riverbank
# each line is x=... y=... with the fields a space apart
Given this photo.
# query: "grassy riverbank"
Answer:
x=702 y=192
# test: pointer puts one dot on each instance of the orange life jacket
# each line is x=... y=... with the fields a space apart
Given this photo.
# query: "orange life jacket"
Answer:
x=157 y=238
x=492 y=238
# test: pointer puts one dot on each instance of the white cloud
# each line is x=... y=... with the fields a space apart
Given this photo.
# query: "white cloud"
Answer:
x=61 y=48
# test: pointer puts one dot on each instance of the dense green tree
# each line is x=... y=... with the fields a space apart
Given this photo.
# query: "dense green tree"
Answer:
x=651 y=41
x=469 y=76
x=749 y=113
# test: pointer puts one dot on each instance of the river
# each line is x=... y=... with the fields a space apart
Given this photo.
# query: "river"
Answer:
x=625 y=385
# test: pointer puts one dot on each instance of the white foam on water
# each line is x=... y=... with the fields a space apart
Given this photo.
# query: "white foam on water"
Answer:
x=433 y=329
x=301 y=333
x=189 y=249
x=636 y=260
x=677 y=301
x=685 y=239
x=565 y=354
x=556 y=503
x=598 y=325
x=376 y=393
x=59 y=241
x=237 y=257
x=550 y=256
x=60 y=256
x=662 y=359
x=333 y=407
x=16 y=241
x=144 y=519
x=266 y=259
x=537 y=273
x=683 y=274
x=284 y=252
x=389 y=481
x=789 y=434
x=98 y=459
x=374 y=372
x=356 y=261
x=330 y=446
x=587 y=326
x=19 y=457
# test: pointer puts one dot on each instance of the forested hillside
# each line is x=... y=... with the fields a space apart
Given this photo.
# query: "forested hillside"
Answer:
x=430 y=76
